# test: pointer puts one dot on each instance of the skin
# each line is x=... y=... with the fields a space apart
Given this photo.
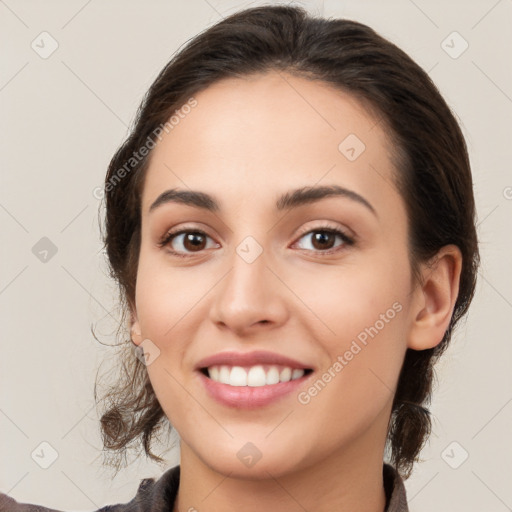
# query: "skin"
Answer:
x=247 y=142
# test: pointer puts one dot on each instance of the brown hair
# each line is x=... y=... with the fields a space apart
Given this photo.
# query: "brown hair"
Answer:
x=433 y=176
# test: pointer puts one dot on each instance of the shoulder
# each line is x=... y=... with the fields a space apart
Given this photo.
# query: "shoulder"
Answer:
x=152 y=496
x=396 y=497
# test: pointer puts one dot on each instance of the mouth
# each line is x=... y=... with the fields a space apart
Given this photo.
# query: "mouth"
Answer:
x=253 y=376
x=251 y=380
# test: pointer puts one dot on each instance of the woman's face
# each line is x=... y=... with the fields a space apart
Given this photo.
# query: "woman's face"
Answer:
x=302 y=330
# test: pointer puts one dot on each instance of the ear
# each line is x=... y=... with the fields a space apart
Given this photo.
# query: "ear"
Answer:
x=135 y=330
x=435 y=299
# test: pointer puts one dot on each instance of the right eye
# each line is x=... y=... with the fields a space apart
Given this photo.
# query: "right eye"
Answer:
x=191 y=240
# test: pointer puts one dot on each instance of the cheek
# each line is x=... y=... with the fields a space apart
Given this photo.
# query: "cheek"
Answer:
x=360 y=321
x=166 y=300
x=342 y=301
x=164 y=297
x=355 y=387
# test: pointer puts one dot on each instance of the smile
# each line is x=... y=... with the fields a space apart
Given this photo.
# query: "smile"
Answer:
x=253 y=376
x=252 y=380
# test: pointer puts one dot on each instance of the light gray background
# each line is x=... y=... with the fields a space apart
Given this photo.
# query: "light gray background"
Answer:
x=61 y=120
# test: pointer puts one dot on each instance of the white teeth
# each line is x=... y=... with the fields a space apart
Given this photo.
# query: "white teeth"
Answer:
x=272 y=375
x=254 y=376
x=238 y=376
x=297 y=374
x=214 y=372
x=223 y=375
x=285 y=375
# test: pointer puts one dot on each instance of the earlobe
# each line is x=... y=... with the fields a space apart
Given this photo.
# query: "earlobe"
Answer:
x=436 y=299
x=136 y=334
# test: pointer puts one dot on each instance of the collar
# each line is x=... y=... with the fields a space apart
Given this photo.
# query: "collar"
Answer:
x=396 y=497
x=159 y=496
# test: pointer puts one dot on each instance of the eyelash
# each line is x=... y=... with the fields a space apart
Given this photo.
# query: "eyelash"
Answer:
x=347 y=241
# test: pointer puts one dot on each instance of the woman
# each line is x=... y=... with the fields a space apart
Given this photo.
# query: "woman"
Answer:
x=292 y=225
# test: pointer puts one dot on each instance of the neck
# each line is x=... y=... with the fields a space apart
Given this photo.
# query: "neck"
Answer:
x=346 y=481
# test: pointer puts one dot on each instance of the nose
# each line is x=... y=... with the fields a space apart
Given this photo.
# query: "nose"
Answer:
x=250 y=297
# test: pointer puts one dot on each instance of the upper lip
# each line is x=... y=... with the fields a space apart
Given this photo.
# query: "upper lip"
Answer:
x=249 y=359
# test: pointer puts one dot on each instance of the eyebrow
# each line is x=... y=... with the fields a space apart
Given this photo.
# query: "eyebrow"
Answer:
x=287 y=201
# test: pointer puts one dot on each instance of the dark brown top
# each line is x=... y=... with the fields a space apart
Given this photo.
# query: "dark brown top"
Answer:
x=159 y=495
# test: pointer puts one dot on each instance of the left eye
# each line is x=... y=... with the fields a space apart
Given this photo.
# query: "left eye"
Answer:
x=323 y=238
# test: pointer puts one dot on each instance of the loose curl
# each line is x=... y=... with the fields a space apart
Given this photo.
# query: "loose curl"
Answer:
x=432 y=174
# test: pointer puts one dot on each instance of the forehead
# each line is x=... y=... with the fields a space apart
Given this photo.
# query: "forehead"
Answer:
x=270 y=131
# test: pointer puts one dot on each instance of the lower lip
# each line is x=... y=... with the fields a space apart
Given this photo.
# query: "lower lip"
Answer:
x=248 y=397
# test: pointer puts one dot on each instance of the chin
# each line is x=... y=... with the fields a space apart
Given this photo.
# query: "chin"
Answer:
x=252 y=460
